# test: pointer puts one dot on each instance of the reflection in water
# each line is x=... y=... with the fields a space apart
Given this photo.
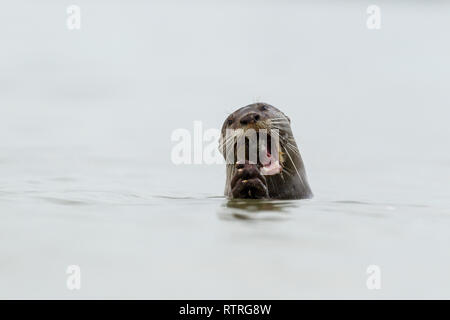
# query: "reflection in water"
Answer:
x=252 y=209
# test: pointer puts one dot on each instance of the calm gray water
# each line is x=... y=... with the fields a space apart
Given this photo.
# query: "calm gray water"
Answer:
x=85 y=152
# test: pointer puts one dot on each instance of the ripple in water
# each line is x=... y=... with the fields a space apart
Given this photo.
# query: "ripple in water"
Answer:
x=251 y=209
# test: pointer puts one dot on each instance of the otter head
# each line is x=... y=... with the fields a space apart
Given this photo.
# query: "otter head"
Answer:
x=262 y=157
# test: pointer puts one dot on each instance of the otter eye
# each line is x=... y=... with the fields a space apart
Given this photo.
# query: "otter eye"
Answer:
x=263 y=108
x=229 y=121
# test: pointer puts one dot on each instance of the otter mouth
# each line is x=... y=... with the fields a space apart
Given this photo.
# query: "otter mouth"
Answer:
x=267 y=154
x=249 y=180
x=269 y=157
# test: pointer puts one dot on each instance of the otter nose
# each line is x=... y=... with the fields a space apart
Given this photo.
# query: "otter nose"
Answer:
x=250 y=118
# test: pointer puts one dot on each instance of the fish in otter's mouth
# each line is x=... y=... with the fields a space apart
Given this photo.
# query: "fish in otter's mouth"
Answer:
x=262 y=157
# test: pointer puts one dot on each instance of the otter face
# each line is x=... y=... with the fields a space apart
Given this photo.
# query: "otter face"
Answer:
x=257 y=123
x=266 y=131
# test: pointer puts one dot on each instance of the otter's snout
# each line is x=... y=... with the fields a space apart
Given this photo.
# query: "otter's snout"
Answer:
x=249 y=118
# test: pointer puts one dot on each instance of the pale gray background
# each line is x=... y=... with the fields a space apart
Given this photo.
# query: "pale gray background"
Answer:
x=85 y=171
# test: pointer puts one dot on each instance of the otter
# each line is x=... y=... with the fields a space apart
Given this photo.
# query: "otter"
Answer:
x=278 y=171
